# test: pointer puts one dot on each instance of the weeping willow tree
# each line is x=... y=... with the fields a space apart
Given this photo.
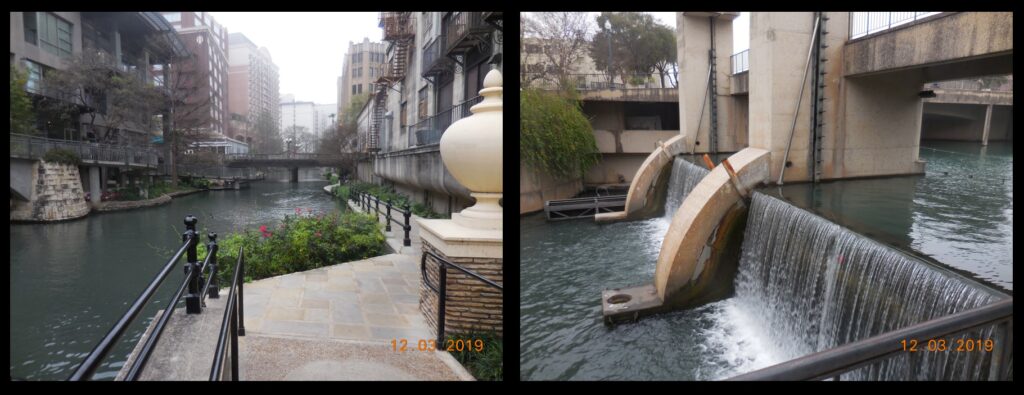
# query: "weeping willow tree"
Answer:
x=555 y=138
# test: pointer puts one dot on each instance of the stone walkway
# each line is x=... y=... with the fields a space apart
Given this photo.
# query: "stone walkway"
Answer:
x=338 y=322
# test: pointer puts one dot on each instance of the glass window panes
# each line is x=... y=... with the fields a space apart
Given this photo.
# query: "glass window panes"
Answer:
x=29 y=20
x=54 y=34
x=35 y=76
x=172 y=16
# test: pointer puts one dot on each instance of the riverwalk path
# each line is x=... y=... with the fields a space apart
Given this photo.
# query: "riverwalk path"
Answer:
x=332 y=323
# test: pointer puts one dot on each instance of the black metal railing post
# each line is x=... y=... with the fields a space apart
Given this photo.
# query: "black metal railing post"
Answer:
x=192 y=302
x=241 y=295
x=211 y=248
x=406 y=241
x=442 y=294
x=376 y=208
x=387 y=226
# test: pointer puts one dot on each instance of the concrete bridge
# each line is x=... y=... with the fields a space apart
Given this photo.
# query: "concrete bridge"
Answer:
x=293 y=161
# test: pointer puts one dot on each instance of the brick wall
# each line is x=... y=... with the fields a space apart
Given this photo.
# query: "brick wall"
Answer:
x=472 y=306
x=56 y=195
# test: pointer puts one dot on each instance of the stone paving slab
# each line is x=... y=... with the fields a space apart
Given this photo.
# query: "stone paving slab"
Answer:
x=290 y=358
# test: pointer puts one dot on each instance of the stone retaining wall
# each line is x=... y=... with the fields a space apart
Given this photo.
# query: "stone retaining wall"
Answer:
x=133 y=204
x=472 y=306
x=57 y=195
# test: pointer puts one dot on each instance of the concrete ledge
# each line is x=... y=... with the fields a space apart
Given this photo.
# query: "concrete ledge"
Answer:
x=133 y=204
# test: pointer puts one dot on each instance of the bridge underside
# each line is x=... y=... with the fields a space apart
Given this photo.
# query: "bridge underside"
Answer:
x=284 y=163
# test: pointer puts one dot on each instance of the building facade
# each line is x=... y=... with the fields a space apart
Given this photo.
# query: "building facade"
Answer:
x=362 y=63
x=132 y=44
x=208 y=42
x=255 y=91
x=436 y=63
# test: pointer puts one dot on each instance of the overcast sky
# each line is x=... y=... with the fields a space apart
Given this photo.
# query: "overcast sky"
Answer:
x=307 y=47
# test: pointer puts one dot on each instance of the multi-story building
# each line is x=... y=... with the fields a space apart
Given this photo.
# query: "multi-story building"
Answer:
x=305 y=116
x=255 y=91
x=208 y=42
x=136 y=44
x=436 y=63
x=362 y=63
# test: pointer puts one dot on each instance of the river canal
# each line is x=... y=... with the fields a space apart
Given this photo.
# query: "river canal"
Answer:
x=71 y=281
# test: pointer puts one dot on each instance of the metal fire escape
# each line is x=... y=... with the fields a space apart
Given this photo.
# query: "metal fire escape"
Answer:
x=713 y=93
x=399 y=31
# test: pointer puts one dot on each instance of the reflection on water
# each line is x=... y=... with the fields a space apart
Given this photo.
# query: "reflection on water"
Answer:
x=71 y=281
x=960 y=213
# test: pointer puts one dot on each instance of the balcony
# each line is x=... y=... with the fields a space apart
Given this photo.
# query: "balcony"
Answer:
x=430 y=130
x=434 y=61
x=741 y=62
x=464 y=30
x=397 y=25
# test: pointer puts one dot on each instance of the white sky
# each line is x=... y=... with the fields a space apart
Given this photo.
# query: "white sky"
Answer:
x=307 y=47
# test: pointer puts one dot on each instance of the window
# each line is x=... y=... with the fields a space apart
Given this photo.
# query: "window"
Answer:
x=532 y=48
x=172 y=17
x=35 y=76
x=52 y=33
x=29 y=19
x=354 y=87
x=428 y=22
x=421 y=105
x=402 y=116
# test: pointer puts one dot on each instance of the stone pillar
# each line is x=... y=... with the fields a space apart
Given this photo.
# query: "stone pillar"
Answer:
x=471 y=151
x=693 y=40
x=988 y=124
x=95 y=190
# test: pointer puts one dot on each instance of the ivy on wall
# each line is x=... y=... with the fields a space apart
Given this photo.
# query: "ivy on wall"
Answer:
x=555 y=138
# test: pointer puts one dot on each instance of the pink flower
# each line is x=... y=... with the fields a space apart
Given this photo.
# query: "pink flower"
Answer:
x=317 y=234
x=263 y=228
x=298 y=210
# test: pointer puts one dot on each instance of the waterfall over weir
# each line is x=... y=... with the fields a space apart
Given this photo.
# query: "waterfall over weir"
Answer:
x=685 y=176
x=812 y=285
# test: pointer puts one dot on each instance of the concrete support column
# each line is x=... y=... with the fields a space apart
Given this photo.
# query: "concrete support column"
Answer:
x=94 y=185
x=104 y=174
x=693 y=41
x=988 y=124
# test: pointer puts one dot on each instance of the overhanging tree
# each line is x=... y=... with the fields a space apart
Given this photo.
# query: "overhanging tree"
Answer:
x=562 y=40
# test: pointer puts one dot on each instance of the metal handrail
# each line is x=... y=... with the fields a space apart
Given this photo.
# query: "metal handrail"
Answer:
x=88 y=367
x=233 y=323
x=600 y=81
x=32 y=147
x=429 y=130
x=441 y=289
x=877 y=22
x=364 y=199
x=741 y=62
x=845 y=358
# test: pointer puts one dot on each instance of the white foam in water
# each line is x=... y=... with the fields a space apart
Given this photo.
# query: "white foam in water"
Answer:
x=736 y=343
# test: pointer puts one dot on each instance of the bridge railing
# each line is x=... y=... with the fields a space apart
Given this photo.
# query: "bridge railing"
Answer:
x=429 y=130
x=741 y=62
x=213 y=171
x=198 y=290
x=926 y=335
x=32 y=147
x=601 y=81
x=369 y=202
x=441 y=288
x=868 y=23
x=288 y=156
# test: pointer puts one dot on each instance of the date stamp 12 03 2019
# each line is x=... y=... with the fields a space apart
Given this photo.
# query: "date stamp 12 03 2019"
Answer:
x=450 y=345
x=941 y=345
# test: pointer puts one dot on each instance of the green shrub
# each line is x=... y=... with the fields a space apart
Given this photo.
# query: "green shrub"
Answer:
x=196 y=182
x=397 y=199
x=485 y=363
x=555 y=137
x=301 y=242
x=63 y=156
x=334 y=179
